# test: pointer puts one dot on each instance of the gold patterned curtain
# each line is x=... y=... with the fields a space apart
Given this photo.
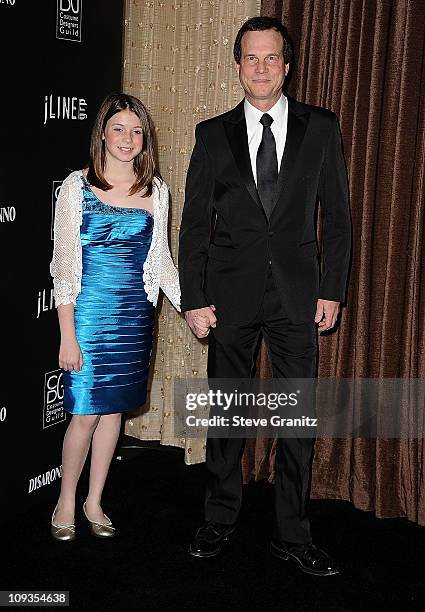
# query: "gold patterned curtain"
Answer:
x=178 y=60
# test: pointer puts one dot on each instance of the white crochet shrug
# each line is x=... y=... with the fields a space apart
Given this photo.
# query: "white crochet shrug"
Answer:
x=66 y=265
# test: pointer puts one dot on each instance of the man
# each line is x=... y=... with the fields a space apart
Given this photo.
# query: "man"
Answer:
x=248 y=267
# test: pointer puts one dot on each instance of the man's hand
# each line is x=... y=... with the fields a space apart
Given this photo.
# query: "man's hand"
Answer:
x=200 y=320
x=326 y=314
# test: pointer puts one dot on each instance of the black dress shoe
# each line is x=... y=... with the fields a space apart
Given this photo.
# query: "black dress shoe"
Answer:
x=309 y=558
x=209 y=538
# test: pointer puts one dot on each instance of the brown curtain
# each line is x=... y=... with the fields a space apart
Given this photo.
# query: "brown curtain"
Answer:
x=365 y=61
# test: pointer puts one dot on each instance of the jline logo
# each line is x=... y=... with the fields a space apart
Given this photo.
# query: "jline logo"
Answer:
x=45 y=301
x=64 y=107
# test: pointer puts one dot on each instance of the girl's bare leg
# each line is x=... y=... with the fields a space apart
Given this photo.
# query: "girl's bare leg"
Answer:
x=104 y=443
x=76 y=445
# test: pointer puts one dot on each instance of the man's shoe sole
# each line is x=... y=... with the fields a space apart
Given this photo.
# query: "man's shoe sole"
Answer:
x=214 y=553
x=287 y=556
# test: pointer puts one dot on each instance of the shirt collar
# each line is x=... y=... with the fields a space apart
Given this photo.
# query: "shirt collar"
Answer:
x=253 y=115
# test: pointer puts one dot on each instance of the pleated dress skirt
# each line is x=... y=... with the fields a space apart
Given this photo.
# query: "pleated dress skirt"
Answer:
x=113 y=318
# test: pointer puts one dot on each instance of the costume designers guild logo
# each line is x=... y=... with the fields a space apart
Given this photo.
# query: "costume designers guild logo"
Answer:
x=56 y=185
x=53 y=412
x=64 y=107
x=7 y=214
x=68 y=20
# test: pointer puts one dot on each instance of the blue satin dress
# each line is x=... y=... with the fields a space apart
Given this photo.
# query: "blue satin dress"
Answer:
x=113 y=318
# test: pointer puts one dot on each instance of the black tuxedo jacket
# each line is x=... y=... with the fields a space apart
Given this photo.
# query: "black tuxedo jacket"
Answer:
x=226 y=239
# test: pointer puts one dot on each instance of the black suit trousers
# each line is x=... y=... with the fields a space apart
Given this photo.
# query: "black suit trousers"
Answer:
x=232 y=353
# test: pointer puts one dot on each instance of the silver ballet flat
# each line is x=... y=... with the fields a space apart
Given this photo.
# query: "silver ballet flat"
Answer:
x=100 y=530
x=62 y=533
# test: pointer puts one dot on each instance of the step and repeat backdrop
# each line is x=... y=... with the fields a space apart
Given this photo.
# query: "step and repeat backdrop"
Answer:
x=59 y=58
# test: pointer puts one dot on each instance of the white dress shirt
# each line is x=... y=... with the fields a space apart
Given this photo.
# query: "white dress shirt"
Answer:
x=279 y=113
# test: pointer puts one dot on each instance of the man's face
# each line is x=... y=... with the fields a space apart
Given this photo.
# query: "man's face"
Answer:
x=262 y=69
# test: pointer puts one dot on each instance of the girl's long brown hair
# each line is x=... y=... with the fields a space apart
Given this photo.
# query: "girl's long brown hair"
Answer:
x=145 y=164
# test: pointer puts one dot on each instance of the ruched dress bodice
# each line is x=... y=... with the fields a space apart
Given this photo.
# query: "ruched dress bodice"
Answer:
x=113 y=318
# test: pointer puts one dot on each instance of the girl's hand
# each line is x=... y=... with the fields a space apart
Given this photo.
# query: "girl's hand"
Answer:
x=70 y=356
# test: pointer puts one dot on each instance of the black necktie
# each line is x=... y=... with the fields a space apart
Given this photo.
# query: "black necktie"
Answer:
x=267 y=165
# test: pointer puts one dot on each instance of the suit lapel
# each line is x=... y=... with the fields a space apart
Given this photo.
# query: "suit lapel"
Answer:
x=297 y=123
x=236 y=132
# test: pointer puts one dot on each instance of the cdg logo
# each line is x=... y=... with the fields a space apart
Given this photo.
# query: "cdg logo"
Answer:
x=56 y=186
x=56 y=189
x=54 y=388
x=70 y=5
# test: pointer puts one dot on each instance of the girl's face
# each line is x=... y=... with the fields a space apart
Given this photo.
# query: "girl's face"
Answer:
x=123 y=136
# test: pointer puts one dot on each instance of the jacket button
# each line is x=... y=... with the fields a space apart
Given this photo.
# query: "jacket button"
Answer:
x=271 y=234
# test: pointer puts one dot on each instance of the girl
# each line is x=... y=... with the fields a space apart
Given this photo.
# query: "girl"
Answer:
x=110 y=258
